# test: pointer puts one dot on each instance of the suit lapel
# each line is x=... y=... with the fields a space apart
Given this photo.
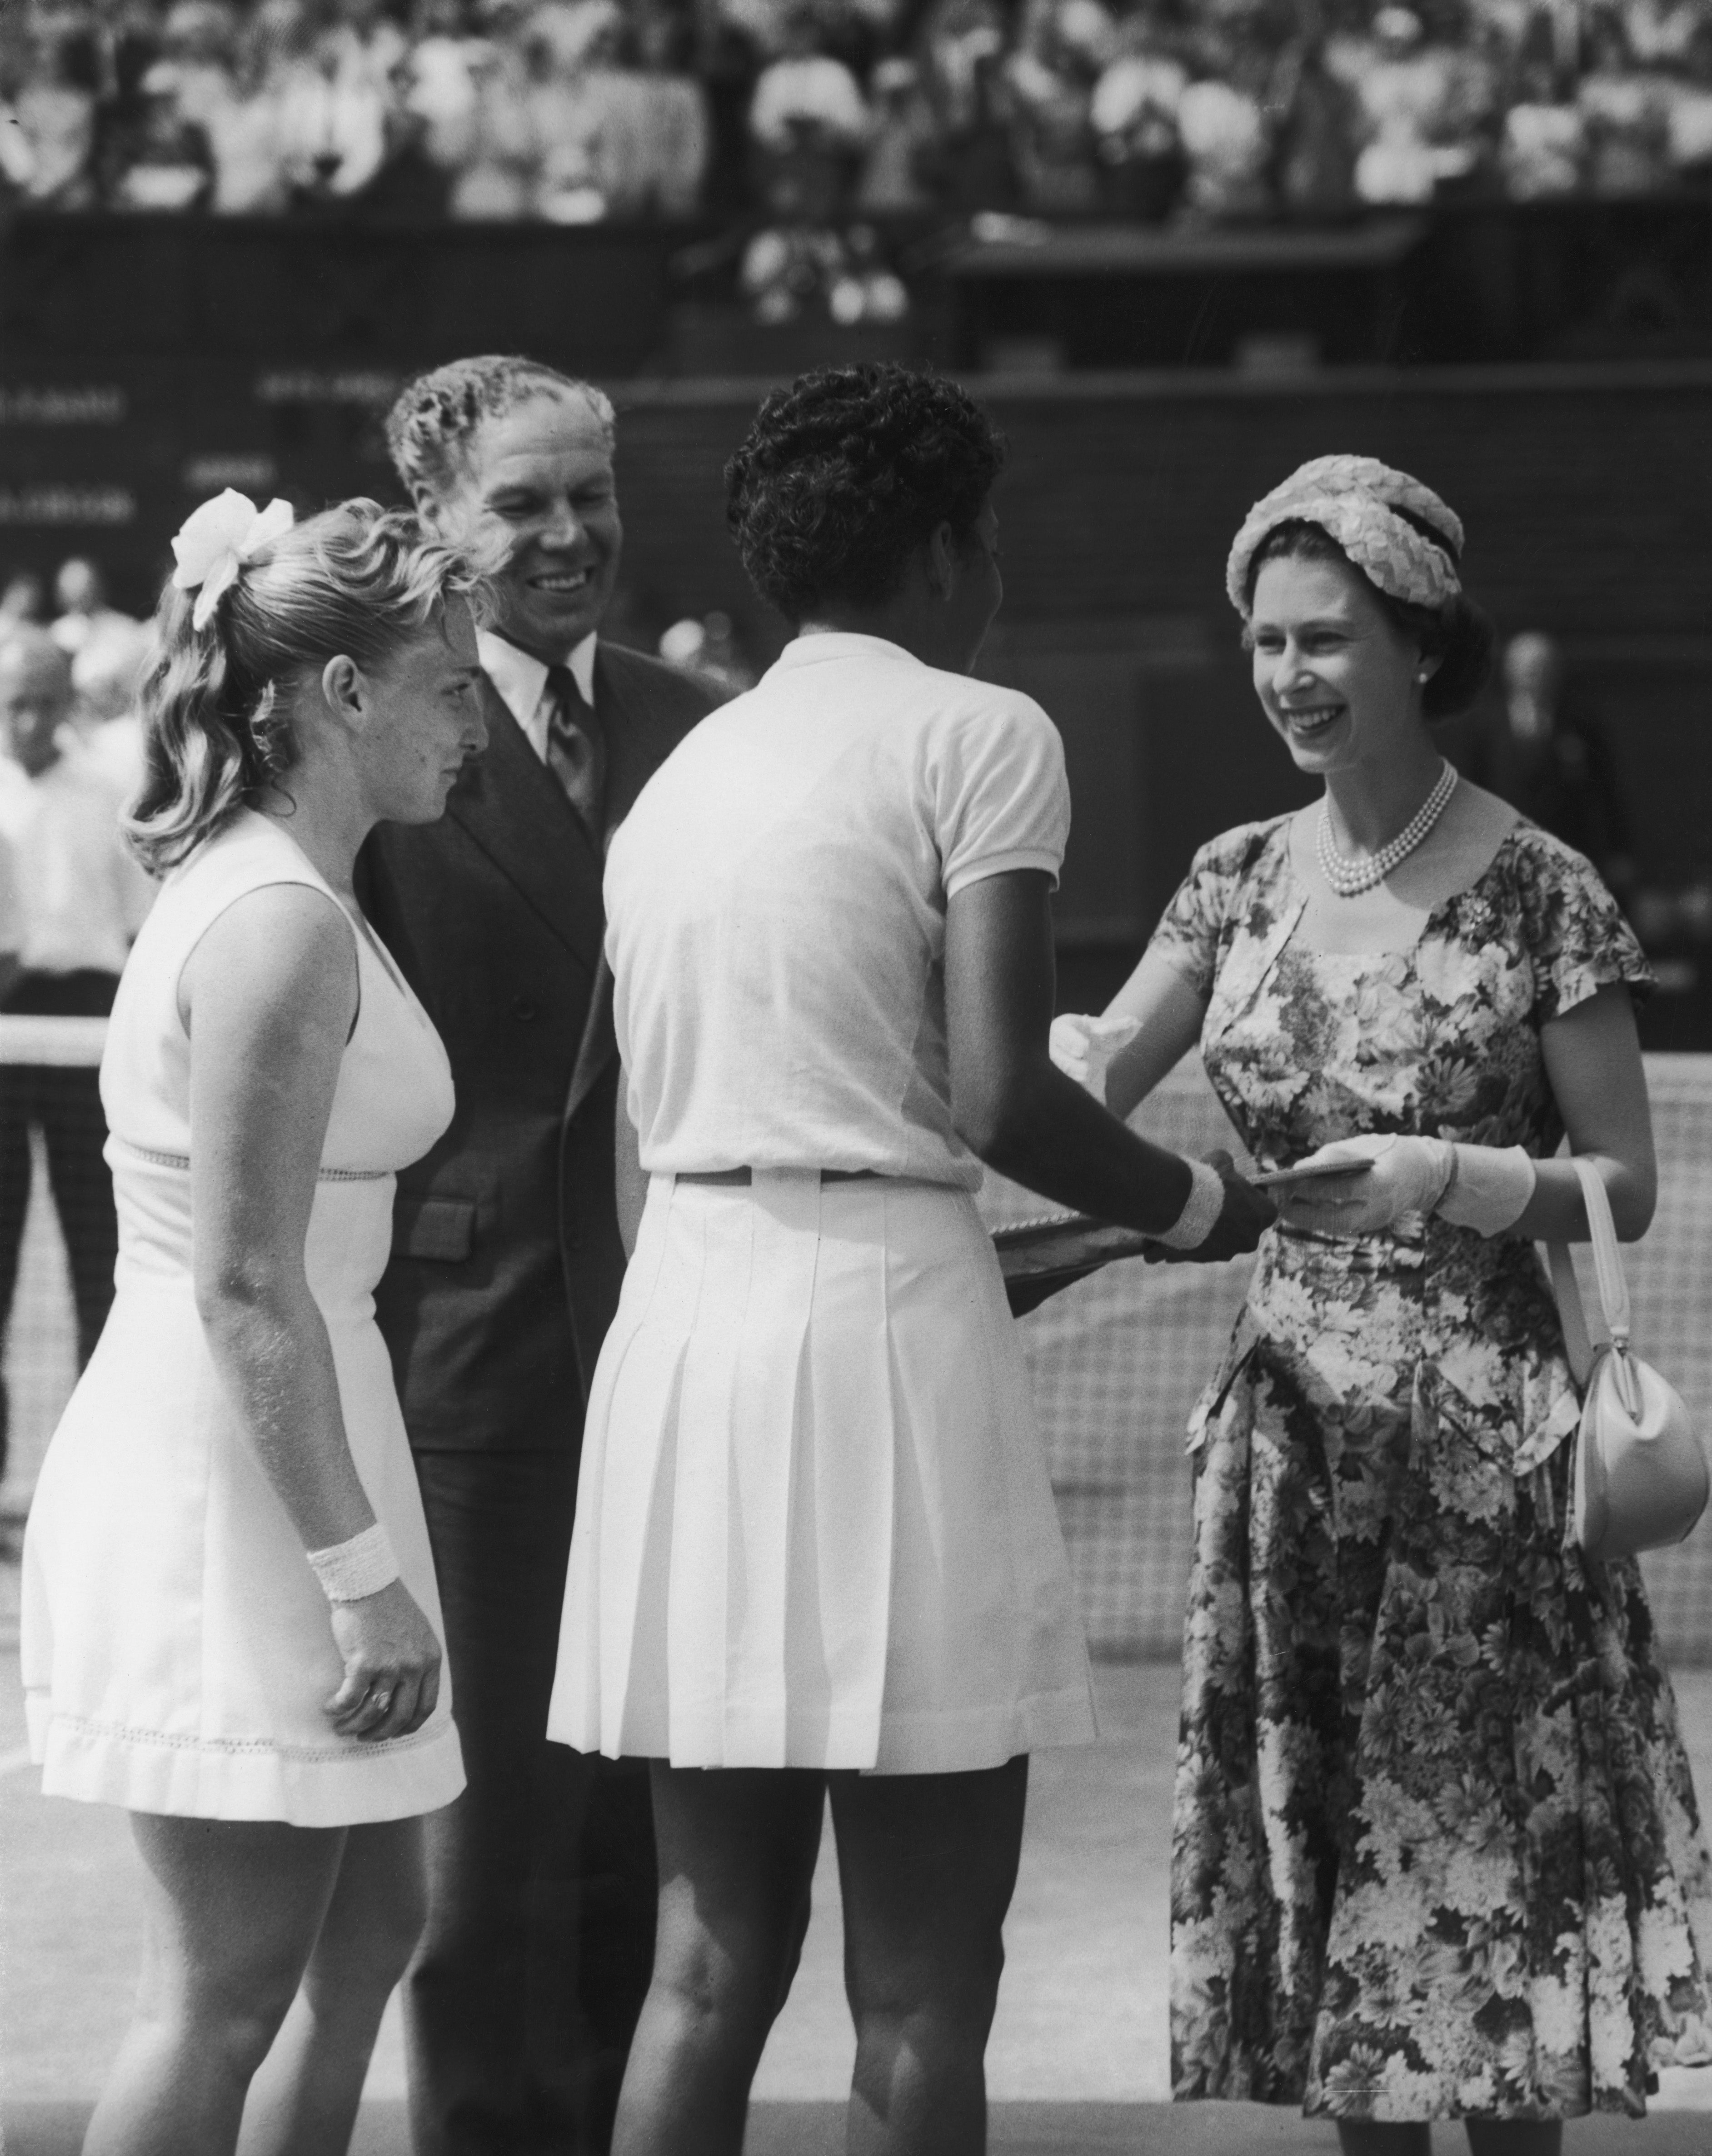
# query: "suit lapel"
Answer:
x=511 y=805
x=639 y=738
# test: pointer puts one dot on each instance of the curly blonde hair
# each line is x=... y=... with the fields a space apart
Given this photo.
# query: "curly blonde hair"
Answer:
x=359 y=581
x=435 y=415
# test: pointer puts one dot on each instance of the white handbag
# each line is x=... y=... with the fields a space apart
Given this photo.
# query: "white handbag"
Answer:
x=1641 y=1475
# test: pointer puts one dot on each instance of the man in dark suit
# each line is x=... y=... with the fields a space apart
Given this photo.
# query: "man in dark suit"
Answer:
x=507 y=1261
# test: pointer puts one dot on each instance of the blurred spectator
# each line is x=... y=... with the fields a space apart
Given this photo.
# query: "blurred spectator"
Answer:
x=613 y=141
x=1662 y=31
x=105 y=647
x=71 y=901
x=900 y=146
x=1627 y=114
x=334 y=97
x=156 y=158
x=708 y=650
x=1410 y=99
x=108 y=652
x=1226 y=141
x=866 y=288
x=439 y=79
x=1064 y=48
x=674 y=126
x=1543 y=151
x=1691 y=123
x=963 y=74
x=199 y=42
x=809 y=122
x=245 y=118
x=814 y=110
x=788 y=270
x=494 y=154
x=1134 y=114
x=80 y=603
x=23 y=599
x=107 y=684
x=582 y=144
x=50 y=135
x=1552 y=761
x=1316 y=123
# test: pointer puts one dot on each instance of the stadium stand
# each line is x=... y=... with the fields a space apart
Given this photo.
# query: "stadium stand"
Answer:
x=573 y=110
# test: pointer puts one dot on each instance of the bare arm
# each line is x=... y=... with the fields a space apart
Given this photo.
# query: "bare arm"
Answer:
x=269 y=996
x=1170 y=1013
x=1019 y=1114
x=1593 y=1060
x=629 y=1184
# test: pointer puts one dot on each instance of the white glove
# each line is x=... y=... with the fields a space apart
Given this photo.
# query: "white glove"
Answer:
x=1389 y=1176
x=1082 y=1047
x=1491 y=1188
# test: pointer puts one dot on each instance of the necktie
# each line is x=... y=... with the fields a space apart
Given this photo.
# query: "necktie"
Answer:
x=576 y=749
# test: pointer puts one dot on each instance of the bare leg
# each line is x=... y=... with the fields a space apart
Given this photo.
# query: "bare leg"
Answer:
x=1514 y=2137
x=303 y=2101
x=1365 y=2139
x=736 y=1848
x=232 y=1911
x=927 y=1863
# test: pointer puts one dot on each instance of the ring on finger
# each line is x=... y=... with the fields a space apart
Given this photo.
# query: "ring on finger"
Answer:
x=383 y=1701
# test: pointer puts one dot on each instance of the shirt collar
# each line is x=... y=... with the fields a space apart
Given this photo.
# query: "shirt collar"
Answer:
x=520 y=676
x=840 y=644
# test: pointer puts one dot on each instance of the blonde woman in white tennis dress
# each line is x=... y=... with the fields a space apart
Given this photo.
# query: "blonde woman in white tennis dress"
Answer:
x=230 y=1625
x=815 y=1547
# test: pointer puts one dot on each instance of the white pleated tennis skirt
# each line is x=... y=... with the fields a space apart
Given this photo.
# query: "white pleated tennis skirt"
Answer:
x=814 y=1525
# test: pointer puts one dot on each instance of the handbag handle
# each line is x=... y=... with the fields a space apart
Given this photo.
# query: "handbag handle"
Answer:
x=1607 y=1270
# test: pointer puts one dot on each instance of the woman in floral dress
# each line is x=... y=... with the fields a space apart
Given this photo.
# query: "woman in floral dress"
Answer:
x=1436 y=1850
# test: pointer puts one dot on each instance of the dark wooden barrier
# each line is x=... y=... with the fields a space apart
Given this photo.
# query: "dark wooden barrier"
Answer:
x=594 y=297
x=1463 y=284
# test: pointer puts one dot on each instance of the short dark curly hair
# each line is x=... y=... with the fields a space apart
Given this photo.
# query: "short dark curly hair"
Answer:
x=844 y=474
x=434 y=415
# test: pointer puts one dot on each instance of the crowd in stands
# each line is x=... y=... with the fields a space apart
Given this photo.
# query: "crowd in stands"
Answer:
x=808 y=113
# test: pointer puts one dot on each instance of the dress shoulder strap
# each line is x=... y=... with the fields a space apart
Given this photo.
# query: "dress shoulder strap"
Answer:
x=249 y=854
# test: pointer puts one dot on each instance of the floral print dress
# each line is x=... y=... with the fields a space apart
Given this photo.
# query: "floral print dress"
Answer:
x=1436 y=1852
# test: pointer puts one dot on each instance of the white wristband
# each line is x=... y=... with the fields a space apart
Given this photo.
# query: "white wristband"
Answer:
x=1489 y=1189
x=350 y=1571
x=1201 y=1211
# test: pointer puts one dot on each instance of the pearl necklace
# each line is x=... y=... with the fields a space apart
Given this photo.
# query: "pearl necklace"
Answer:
x=1349 y=878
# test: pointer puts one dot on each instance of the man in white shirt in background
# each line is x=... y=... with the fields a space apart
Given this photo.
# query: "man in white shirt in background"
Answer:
x=71 y=901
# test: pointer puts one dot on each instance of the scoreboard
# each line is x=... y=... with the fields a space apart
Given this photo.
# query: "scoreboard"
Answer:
x=146 y=361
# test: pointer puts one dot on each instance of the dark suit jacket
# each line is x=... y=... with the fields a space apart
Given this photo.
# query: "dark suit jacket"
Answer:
x=507 y=1261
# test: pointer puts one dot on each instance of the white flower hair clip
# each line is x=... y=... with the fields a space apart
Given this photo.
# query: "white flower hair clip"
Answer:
x=213 y=544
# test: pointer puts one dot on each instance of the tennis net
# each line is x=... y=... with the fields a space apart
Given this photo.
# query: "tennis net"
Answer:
x=1116 y=1360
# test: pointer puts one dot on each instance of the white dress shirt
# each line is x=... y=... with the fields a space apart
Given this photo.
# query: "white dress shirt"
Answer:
x=521 y=678
x=71 y=896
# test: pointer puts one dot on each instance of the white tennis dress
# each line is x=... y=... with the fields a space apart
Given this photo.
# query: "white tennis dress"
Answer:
x=176 y=1646
x=814 y=1525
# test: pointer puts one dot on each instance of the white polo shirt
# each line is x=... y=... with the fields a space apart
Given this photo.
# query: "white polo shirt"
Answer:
x=72 y=897
x=776 y=910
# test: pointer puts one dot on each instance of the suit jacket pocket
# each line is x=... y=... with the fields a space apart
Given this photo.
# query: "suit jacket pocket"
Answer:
x=443 y=1228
